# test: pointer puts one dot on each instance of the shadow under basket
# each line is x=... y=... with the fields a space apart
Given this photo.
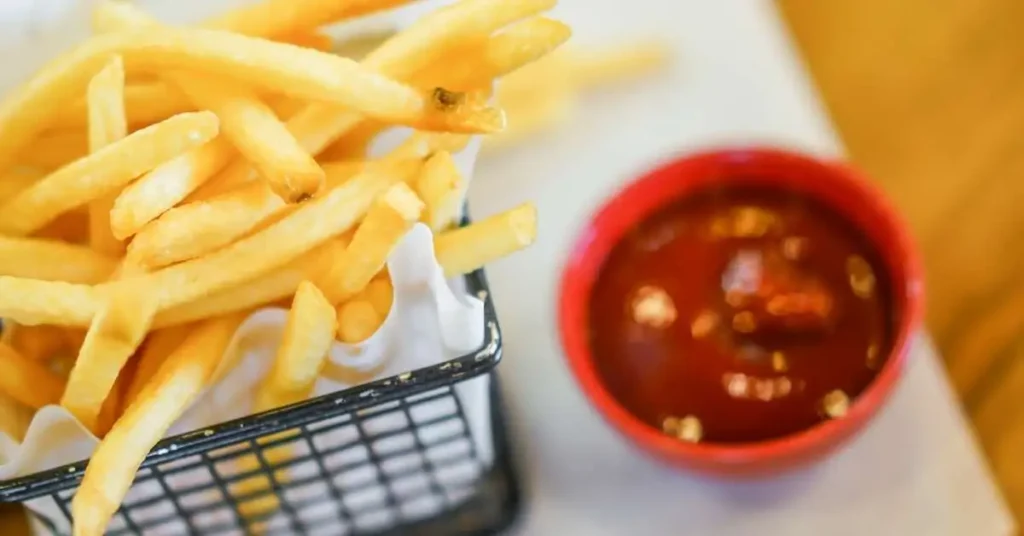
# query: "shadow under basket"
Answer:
x=373 y=481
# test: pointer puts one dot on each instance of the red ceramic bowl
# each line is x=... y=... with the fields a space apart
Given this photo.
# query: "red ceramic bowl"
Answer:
x=835 y=185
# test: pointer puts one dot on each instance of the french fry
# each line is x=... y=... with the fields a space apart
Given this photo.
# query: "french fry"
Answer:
x=520 y=89
x=112 y=407
x=284 y=106
x=256 y=500
x=275 y=66
x=53 y=260
x=466 y=112
x=407 y=53
x=418 y=145
x=108 y=124
x=318 y=133
x=385 y=224
x=339 y=172
x=465 y=249
x=115 y=333
x=71 y=227
x=455 y=252
x=308 y=335
x=164 y=187
x=249 y=205
x=159 y=344
x=542 y=96
x=74 y=338
x=54 y=149
x=191 y=230
x=310 y=225
x=28 y=381
x=262 y=139
x=599 y=67
x=105 y=105
x=17 y=180
x=312 y=127
x=103 y=171
x=187 y=297
x=358 y=320
x=355 y=144
x=177 y=383
x=244 y=247
x=275 y=18
x=15 y=418
x=30 y=109
x=38 y=343
x=274 y=286
x=530 y=115
x=410 y=52
x=415 y=48
x=278 y=67
x=145 y=104
x=442 y=109
x=266 y=196
x=32 y=302
x=520 y=44
x=320 y=124
x=257 y=292
x=237 y=173
x=250 y=125
x=316 y=40
x=442 y=190
x=61 y=364
x=381 y=294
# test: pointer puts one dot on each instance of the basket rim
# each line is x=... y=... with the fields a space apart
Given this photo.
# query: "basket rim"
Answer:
x=383 y=391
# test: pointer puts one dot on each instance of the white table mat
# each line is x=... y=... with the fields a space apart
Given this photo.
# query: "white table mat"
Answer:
x=916 y=469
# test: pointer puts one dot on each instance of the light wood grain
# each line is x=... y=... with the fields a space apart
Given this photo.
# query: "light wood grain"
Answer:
x=928 y=96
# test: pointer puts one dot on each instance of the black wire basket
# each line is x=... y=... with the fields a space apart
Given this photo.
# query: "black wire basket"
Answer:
x=420 y=475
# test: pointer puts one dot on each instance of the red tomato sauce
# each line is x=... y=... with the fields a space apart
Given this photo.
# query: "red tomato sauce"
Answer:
x=740 y=315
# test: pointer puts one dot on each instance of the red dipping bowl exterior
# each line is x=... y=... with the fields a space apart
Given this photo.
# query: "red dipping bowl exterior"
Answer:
x=833 y=184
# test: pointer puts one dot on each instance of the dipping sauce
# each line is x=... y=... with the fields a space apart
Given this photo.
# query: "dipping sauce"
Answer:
x=739 y=315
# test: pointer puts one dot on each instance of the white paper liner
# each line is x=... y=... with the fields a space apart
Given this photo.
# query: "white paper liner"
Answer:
x=431 y=321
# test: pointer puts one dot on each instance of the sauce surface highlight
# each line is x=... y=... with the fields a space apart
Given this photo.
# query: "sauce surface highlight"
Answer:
x=740 y=315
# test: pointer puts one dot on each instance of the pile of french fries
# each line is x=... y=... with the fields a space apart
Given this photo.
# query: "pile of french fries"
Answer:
x=158 y=184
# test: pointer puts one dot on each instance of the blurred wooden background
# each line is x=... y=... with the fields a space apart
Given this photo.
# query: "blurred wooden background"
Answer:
x=928 y=96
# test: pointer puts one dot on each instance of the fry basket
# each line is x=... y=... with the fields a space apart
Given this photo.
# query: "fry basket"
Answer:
x=421 y=475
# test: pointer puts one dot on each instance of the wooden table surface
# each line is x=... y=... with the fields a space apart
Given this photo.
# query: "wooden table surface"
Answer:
x=928 y=96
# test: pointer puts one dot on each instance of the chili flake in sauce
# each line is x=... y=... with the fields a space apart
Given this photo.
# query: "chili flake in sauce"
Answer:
x=746 y=314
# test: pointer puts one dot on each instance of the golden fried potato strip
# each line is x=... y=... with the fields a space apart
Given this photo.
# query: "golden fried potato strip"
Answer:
x=465 y=249
x=308 y=335
x=442 y=189
x=116 y=332
x=386 y=223
x=108 y=123
x=28 y=381
x=177 y=383
x=103 y=171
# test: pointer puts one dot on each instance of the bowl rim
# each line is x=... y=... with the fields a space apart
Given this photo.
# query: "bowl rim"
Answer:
x=573 y=300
